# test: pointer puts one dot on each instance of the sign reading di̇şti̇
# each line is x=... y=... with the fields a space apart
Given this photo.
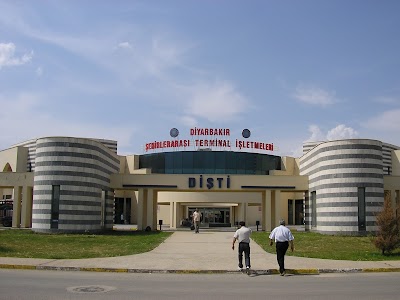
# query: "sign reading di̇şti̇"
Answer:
x=208 y=138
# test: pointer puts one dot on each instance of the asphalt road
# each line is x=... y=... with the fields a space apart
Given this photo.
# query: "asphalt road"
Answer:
x=32 y=284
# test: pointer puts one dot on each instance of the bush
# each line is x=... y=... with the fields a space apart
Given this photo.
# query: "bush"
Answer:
x=388 y=235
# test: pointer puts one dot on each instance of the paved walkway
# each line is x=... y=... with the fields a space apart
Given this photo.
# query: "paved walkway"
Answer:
x=206 y=252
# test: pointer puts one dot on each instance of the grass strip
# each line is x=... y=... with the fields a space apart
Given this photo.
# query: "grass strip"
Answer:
x=338 y=247
x=28 y=244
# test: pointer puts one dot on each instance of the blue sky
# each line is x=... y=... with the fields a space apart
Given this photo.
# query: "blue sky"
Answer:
x=290 y=71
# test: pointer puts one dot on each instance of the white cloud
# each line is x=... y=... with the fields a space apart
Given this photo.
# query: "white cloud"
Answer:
x=386 y=121
x=8 y=58
x=341 y=132
x=314 y=96
x=216 y=102
x=316 y=134
x=124 y=45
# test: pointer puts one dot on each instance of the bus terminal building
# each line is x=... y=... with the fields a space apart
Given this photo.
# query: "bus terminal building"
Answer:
x=69 y=184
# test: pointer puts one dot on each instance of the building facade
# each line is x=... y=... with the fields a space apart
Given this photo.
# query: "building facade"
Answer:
x=67 y=184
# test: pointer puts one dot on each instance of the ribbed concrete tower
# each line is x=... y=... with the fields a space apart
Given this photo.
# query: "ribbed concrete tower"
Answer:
x=71 y=185
x=345 y=185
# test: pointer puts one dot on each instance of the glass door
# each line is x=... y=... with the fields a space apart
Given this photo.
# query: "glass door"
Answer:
x=212 y=216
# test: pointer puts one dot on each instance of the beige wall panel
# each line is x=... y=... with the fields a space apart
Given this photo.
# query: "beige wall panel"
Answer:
x=396 y=163
x=16 y=157
x=220 y=182
x=12 y=179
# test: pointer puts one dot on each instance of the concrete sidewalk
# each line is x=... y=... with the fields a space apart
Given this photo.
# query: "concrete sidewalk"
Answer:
x=206 y=252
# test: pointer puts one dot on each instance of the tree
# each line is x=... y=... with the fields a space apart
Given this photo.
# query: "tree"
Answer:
x=387 y=237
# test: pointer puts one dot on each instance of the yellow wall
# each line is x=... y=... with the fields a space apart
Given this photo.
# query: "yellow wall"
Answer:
x=396 y=163
x=300 y=183
x=17 y=157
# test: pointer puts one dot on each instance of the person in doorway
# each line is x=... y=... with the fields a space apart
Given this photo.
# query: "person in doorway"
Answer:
x=122 y=218
x=243 y=236
x=196 y=220
x=282 y=237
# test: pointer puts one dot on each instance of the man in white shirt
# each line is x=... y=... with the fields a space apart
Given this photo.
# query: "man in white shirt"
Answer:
x=243 y=236
x=282 y=237
x=196 y=220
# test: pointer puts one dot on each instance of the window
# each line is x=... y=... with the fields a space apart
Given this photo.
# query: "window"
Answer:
x=210 y=162
x=361 y=209
x=314 y=208
x=187 y=162
x=103 y=208
x=55 y=206
x=290 y=212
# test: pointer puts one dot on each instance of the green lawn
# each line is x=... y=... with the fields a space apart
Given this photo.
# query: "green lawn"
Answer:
x=315 y=245
x=25 y=243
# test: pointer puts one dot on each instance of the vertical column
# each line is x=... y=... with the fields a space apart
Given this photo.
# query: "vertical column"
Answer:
x=245 y=207
x=26 y=213
x=266 y=206
x=242 y=211
x=178 y=214
x=232 y=216
x=150 y=209
x=16 y=220
x=172 y=222
x=134 y=208
x=155 y=210
x=276 y=198
x=141 y=213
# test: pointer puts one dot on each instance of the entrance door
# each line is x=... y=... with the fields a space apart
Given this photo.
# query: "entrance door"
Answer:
x=298 y=218
x=213 y=216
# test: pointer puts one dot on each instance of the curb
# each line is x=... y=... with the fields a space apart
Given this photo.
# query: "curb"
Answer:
x=149 y=271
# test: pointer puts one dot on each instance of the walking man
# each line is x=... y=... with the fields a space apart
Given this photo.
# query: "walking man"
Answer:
x=282 y=237
x=196 y=220
x=243 y=236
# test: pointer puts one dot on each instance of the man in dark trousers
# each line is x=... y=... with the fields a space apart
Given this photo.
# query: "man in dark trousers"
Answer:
x=243 y=236
x=282 y=237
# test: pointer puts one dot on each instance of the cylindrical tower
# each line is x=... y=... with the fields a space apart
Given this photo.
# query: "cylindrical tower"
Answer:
x=72 y=185
x=345 y=186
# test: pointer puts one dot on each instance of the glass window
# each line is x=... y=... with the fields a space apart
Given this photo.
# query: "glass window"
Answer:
x=160 y=163
x=314 y=208
x=103 y=208
x=220 y=163
x=210 y=162
x=231 y=163
x=55 y=206
x=169 y=163
x=241 y=163
x=361 y=209
x=187 y=162
x=290 y=212
x=177 y=163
